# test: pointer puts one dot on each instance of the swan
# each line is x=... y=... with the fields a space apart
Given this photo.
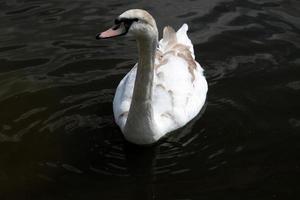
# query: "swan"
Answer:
x=165 y=89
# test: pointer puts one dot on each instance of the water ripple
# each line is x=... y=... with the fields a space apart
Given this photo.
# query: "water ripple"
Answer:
x=57 y=85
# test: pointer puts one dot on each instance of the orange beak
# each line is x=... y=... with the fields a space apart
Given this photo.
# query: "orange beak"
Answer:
x=116 y=30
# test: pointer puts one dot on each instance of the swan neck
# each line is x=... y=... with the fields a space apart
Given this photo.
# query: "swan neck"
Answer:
x=145 y=70
x=140 y=125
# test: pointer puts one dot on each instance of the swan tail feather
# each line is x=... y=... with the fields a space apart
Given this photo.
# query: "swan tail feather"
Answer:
x=183 y=38
x=171 y=38
x=169 y=35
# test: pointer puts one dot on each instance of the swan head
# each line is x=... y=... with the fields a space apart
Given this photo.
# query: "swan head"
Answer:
x=135 y=22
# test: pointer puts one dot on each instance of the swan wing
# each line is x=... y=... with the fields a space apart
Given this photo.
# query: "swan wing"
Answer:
x=123 y=96
x=180 y=86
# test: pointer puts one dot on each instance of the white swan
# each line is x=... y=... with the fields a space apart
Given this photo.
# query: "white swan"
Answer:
x=165 y=89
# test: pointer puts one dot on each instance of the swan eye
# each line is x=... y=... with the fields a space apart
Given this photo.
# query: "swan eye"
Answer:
x=128 y=22
x=135 y=19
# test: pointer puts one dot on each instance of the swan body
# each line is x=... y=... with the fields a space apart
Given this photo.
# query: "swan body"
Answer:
x=165 y=89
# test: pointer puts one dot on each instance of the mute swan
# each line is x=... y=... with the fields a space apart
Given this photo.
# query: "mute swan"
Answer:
x=165 y=89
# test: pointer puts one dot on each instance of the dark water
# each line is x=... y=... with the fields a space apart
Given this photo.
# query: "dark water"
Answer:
x=57 y=135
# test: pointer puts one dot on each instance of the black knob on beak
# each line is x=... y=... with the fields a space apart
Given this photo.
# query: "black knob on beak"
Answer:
x=98 y=36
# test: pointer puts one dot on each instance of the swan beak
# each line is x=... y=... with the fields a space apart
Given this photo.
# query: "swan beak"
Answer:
x=116 y=30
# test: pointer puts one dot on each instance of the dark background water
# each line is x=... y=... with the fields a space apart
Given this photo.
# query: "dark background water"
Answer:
x=57 y=135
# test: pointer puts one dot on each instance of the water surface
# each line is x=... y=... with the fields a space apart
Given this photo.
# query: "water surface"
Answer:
x=58 y=139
